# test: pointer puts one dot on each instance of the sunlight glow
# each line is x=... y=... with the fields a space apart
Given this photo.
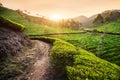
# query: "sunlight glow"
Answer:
x=56 y=17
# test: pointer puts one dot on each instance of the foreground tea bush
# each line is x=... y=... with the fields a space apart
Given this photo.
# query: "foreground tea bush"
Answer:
x=62 y=54
x=79 y=64
x=88 y=66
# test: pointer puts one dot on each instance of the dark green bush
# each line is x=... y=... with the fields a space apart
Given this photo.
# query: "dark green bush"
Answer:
x=62 y=54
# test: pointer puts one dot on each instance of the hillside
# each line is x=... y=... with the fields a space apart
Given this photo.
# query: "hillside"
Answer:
x=81 y=19
x=11 y=35
x=11 y=24
x=101 y=18
x=32 y=27
x=12 y=43
x=14 y=16
x=113 y=27
x=105 y=46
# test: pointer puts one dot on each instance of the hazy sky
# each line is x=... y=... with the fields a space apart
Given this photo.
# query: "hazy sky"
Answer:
x=67 y=8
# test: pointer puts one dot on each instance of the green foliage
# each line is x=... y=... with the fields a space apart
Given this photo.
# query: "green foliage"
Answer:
x=10 y=24
x=80 y=64
x=31 y=28
x=10 y=68
x=62 y=54
x=12 y=15
x=104 y=46
x=113 y=27
x=88 y=66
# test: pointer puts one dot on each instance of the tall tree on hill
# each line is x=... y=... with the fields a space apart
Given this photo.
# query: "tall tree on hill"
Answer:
x=1 y=5
x=98 y=20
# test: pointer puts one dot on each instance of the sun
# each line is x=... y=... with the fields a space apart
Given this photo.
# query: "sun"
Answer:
x=56 y=17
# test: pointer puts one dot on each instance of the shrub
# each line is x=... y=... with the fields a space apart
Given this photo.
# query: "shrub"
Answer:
x=62 y=54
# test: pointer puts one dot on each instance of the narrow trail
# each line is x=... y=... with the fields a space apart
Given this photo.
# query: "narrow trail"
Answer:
x=41 y=69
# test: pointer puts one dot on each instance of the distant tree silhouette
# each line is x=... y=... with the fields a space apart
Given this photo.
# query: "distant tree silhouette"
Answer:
x=37 y=14
x=25 y=11
x=19 y=11
x=28 y=12
x=98 y=20
x=72 y=24
x=1 y=5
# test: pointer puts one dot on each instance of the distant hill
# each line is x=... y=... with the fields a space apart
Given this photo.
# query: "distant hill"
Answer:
x=106 y=17
x=81 y=19
x=100 y=19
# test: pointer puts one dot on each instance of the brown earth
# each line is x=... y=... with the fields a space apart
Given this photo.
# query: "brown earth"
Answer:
x=12 y=42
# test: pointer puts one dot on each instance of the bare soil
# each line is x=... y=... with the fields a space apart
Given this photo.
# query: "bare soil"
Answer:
x=12 y=42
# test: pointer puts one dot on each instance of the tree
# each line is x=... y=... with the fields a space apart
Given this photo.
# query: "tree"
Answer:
x=1 y=5
x=98 y=20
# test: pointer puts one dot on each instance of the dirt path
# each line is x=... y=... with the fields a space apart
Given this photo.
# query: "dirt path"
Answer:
x=41 y=68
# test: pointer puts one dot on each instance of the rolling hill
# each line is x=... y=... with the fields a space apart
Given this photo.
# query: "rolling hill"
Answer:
x=105 y=46
x=95 y=20
x=32 y=27
x=81 y=19
x=113 y=27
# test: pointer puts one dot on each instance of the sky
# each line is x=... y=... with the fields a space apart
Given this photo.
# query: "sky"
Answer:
x=65 y=8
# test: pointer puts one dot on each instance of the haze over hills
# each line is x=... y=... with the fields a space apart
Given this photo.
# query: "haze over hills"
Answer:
x=99 y=19
x=81 y=19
